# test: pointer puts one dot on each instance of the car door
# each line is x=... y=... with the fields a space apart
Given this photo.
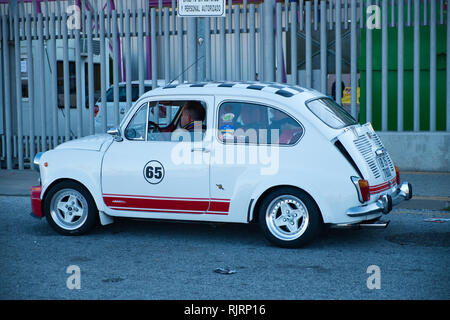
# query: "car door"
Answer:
x=148 y=176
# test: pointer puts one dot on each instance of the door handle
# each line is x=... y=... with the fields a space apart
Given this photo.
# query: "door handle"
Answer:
x=200 y=149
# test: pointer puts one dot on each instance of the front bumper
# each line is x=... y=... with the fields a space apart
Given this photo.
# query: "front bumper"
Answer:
x=36 y=203
x=384 y=204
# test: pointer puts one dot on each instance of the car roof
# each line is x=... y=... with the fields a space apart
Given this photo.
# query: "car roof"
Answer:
x=231 y=87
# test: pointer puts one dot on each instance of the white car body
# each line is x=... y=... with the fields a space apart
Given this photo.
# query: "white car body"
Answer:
x=112 y=169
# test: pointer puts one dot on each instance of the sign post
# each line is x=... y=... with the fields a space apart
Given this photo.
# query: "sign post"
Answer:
x=196 y=51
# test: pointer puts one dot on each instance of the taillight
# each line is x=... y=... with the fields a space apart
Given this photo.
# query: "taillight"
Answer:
x=397 y=175
x=364 y=189
x=96 y=110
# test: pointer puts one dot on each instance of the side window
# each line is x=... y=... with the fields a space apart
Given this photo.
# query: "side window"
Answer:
x=256 y=124
x=136 y=129
x=176 y=120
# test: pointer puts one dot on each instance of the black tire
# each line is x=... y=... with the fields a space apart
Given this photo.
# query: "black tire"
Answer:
x=80 y=207
x=298 y=214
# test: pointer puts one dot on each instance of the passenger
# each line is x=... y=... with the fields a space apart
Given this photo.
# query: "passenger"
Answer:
x=192 y=116
x=191 y=122
x=252 y=118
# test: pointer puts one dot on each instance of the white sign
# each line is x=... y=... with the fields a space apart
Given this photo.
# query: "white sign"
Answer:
x=201 y=8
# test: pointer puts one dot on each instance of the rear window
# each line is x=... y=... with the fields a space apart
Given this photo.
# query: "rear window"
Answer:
x=330 y=113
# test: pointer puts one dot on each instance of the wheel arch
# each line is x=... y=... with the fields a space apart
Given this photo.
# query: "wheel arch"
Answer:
x=57 y=181
x=253 y=216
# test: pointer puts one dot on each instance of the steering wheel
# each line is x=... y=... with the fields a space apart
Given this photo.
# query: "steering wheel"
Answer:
x=155 y=127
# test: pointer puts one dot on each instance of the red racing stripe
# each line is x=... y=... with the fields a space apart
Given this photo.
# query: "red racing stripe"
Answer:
x=167 y=204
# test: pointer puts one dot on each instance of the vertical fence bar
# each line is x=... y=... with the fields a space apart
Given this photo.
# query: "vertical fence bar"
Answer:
x=230 y=16
x=222 y=49
x=269 y=48
x=252 y=43
x=103 y=112
x=294 y=43
x=90 y=73
x=207 y=30
x=338 y=56
x=441 y=12
x=393 y=13
x=361 y=14
x=448 y=74
x=346 y=14
x=408 y=10
x=425 y=12
x=127 y=60
x=308 y=46
x=261 y=41
x=30 y=73
x=54 y=79
x=140 y=43
x=166 y=46
x=116 y=66
x=78 y=84
x=237 y=42
x=316 y=14
x=244 y=15
x=286 y=15
x=416 y=66
x=181 y=50
x=41 y=88
x=384 y=66
x=330 y=18
x=301 y=6
x=154 y=56
x=66 y=78
x=433 y=13
x=173 y=41
x=191 y=49
x=354 y=61
x=323 y=46
x=18 y=88
x=279 y=41
x=160 y=11
x=369 y=70
x=400 y=66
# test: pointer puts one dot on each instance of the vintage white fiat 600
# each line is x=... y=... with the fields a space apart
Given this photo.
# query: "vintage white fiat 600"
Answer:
x=286 y=157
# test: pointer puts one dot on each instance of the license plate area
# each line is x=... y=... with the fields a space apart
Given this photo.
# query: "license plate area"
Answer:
x=384 y=166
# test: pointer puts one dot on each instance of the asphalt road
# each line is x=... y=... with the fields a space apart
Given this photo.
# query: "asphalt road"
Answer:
x=167 y=260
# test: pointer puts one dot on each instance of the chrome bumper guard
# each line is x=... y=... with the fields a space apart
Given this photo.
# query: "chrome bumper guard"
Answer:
x=384 y=204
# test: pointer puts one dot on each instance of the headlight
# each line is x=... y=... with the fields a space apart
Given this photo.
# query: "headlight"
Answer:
x=37 y=160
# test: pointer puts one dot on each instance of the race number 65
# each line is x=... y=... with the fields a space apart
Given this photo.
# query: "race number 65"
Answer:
x=154 y=172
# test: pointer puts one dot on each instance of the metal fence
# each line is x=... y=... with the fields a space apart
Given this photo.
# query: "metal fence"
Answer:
x=58 y=58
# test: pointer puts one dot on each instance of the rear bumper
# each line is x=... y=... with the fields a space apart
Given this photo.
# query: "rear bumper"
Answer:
x=384 y=204
x=36 y=203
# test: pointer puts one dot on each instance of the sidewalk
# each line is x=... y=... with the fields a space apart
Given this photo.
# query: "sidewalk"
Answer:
x=431 y=190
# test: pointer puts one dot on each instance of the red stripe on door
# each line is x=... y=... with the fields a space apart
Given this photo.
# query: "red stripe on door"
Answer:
x=166 y=204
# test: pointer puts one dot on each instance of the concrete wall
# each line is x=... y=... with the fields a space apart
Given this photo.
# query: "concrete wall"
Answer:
x=418 y=151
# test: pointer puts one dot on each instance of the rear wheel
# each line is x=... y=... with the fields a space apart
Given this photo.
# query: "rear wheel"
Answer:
x=289 y=217
x=70 y=209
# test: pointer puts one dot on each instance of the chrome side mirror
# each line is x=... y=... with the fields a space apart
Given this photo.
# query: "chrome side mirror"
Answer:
x=115 y=132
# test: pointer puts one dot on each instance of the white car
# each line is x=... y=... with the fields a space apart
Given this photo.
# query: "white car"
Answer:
x=286 y=157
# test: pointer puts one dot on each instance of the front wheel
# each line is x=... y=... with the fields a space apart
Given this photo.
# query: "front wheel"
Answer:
x=289 y=218
x=70 y=209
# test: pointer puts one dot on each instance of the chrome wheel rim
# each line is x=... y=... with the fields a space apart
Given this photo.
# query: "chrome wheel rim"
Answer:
x=287 y=217
x=69 y=209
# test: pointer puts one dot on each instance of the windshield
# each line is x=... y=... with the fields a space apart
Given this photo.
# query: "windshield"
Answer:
x=330 y=113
